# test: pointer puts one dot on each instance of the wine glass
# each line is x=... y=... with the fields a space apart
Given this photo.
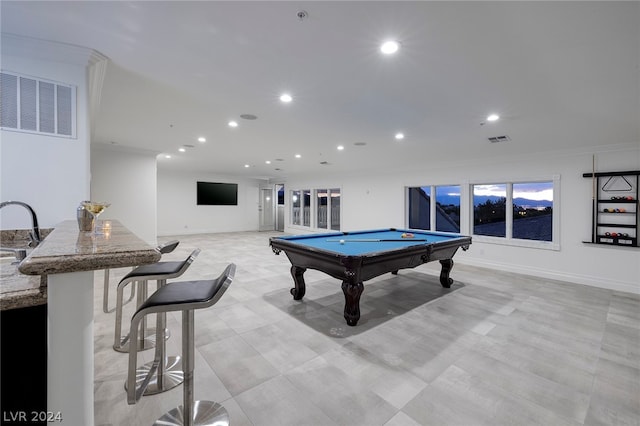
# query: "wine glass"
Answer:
x=95 y=208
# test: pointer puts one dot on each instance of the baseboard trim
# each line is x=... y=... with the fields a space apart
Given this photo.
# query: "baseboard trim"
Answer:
x=627 y=287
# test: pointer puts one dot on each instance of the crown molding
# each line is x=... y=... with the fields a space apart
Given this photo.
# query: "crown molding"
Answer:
x=47 y=50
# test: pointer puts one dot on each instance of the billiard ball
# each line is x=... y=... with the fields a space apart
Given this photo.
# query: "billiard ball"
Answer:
x=341 y=241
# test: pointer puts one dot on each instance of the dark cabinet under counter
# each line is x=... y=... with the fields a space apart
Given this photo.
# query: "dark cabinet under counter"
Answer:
x=23 y=365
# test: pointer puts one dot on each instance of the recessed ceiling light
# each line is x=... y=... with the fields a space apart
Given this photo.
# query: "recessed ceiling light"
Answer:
x=399 y=136
x=493 y=117
x=167 y=156
x=340 y=147
x=233 y=123
x=202 y=140
x=389 y=47
x=182 y=149
x=267 y=162
x=286 y=98
x=246 y=165
x=298 y=155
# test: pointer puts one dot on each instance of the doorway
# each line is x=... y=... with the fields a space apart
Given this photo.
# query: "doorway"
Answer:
x=280 y=207
x=266 y=209
x=271 y=208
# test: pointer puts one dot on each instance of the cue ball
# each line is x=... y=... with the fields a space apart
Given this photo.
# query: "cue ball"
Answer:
x=341 y=241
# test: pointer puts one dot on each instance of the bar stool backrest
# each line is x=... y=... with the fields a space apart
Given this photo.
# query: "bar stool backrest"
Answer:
x=168 y=247
x=161 y=272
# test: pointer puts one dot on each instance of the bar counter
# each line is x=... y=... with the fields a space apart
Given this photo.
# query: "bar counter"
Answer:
x=68 y=250
x=68 y=258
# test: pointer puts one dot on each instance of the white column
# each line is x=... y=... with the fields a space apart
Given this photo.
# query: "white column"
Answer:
x=70 y=347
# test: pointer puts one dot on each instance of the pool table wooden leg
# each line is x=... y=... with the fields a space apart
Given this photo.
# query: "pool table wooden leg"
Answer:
x=352 y=293
x=298 y=278
x=447 y=265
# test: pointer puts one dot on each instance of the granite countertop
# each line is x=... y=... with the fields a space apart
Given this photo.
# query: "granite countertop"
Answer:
x=18 y=290
x=66 y=249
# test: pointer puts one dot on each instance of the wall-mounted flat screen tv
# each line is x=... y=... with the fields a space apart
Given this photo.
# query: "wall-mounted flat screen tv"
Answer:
x=217 y=194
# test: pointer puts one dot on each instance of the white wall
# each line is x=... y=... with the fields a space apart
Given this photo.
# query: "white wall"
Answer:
x=377 y=201
x=179 y=214
x=127 y=180
x=49 y=173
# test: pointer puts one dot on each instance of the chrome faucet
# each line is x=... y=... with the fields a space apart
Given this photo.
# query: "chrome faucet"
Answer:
x=34 y=235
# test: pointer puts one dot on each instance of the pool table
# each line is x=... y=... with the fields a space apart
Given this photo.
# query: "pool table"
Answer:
x=354 y=257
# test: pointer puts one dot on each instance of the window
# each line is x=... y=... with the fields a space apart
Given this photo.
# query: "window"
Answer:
x=533 y=211
x=323 y=208
x=321 y=211
x=334 y=208
x=306 y=207
x=295 y=207
x=445 y=211
x=328 y=209
x=515 y=211
x=300 y=207
x=448 y=208
x=489 y=211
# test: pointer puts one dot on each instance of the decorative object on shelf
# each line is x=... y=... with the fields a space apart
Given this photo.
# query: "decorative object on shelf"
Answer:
x=615 y=218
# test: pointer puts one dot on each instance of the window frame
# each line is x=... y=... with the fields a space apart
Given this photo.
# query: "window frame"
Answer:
x=313 y=208
x=508 y=239
x=433 y=189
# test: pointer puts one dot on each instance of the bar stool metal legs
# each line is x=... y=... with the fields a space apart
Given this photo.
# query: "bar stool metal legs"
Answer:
x=185 y=297
x=201 y=412
x=105 y=293
x=146 y=336
x=168 y=370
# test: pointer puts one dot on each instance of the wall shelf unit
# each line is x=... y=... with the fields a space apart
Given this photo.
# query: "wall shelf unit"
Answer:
x=615 y=218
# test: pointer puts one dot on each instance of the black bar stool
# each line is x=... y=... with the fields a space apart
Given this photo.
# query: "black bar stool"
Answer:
x=161 y=272
x=185 y=296
x=163 y=249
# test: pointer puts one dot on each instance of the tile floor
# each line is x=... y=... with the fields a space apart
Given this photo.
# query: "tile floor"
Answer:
x=495 y=349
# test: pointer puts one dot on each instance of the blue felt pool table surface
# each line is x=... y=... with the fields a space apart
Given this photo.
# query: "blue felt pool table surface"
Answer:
x=355 y=246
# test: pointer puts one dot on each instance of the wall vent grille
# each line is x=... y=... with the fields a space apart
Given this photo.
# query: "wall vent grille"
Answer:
x=496 y=139
x=35 y=105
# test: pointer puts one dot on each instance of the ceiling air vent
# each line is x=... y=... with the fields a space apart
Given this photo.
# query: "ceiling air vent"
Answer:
x=496 y=139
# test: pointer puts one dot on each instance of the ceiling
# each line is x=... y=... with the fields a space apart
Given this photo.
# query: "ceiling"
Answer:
x=563 y=76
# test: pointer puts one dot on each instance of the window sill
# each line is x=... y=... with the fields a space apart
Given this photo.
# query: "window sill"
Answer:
x=543 y=245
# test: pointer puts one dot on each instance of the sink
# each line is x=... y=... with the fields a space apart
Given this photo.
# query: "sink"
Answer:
x=7 y=266
x=17 y=254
